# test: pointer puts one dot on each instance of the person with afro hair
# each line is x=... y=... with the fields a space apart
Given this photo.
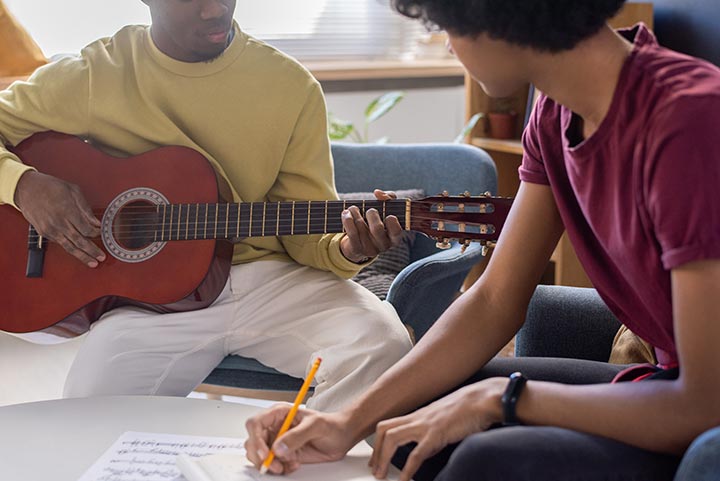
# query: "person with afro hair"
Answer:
x=621 y=152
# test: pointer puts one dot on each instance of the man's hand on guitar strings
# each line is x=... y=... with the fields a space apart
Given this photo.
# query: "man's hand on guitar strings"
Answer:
x=59 y=212
x=366 y=239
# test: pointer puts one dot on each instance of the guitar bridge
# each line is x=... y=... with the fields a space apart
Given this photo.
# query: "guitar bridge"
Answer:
x=36 y=254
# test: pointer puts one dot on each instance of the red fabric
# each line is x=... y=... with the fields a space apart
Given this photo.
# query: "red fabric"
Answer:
x=641 y=196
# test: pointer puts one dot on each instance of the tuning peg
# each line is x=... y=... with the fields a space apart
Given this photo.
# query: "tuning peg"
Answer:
x=465 y=245
x=466 y=194
x=486 y=246
x=445 y=193
x=444 y=244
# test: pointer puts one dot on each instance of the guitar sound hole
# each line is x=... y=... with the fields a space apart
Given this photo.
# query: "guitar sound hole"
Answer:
x=135 y=224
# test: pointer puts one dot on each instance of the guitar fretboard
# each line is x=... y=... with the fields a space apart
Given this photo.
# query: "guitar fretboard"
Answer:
x=260 y=219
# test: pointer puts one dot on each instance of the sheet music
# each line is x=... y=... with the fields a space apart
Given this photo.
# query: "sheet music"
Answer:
x=139 y=456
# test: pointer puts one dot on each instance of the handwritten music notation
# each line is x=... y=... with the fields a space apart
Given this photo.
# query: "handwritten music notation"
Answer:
x=137 y=456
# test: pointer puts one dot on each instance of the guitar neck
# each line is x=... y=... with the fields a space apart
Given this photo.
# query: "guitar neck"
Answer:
x=264 y=219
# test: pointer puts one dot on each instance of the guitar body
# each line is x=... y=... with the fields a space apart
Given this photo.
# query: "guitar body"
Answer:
x=165 y=277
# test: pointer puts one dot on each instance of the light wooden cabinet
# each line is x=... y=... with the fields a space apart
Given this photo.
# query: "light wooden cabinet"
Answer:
x=565 y=268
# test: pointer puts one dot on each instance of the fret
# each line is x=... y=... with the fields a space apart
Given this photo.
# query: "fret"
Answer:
x=162 y=235
x=206 y=219
x=216 y=219
x=363 y=212
x=187 y=222
x=263 y=219
x=237 y=233
x=309 y=206
x=227 y=221
x=197 y=213
x=179 y=224
x=326 y=213
x=407 y=214
x=251 y=219
x=170 y=227
x=383 y=210
x=277 y=223
x=157 y=216
x=292 y=220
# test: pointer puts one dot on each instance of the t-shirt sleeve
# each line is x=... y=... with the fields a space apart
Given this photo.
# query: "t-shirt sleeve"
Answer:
x=532 y=168
x=682 y=180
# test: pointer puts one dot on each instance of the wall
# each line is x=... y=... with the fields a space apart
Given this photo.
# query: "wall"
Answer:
x=424 y=115
x=689 y=26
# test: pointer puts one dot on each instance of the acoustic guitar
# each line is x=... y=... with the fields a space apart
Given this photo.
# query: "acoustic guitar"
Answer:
x=168 y=228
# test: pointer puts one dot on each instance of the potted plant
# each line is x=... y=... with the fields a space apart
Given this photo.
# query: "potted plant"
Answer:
x=499 y=123
x=341 y=129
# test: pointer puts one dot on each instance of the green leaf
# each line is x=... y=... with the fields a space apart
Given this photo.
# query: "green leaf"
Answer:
x=382 y=105
x=339 y=129
x=468 y=128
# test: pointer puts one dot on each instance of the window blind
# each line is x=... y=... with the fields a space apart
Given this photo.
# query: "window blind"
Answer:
x=306 y=29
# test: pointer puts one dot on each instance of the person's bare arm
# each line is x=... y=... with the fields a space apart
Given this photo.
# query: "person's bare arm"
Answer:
x=479 y=323
x=465 y=337
x=661 y=416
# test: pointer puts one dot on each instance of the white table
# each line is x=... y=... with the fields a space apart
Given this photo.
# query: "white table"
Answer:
x=59 y=440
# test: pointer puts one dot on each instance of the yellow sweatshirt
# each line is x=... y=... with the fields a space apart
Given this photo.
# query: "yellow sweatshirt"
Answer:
x=255 y=113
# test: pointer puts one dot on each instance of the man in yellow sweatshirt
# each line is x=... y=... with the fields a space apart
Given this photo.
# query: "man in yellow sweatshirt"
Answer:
x=195 y=79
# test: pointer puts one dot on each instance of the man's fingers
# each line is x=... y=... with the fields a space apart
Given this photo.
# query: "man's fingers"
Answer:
x=70 y=247
x=368 y=246
x=377 y=231
x=422 y=451
x=261 y=432
x=394 y=438
x=351 y=231
x=85 y=209
x=384 y=195
x=287 y=445
x=394 y=230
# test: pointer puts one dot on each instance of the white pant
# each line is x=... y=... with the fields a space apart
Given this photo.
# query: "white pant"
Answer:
x=280 y=313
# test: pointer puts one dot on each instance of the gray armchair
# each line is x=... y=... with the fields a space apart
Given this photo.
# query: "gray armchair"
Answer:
x=425 y=288
x=573 y=322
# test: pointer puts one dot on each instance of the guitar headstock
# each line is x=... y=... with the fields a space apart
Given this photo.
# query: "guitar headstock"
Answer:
x=464 y=218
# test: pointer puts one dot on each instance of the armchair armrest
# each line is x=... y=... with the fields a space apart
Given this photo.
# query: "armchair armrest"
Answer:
x=425 y=288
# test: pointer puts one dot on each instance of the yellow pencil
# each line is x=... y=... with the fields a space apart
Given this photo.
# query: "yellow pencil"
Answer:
x=291 y=415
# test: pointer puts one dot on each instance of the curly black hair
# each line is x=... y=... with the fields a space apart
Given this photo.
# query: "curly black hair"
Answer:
x=547 y=25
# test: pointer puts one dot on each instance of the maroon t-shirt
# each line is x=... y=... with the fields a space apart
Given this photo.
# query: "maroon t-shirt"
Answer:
x=641 y=196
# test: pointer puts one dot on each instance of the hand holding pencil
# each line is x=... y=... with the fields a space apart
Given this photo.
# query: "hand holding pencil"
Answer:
x=297 y=436
x=293 y=412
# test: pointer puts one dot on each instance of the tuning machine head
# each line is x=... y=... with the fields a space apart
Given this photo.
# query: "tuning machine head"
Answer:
x=444 y=244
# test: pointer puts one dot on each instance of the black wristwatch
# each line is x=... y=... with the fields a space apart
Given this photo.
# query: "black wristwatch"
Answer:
x=510 y=398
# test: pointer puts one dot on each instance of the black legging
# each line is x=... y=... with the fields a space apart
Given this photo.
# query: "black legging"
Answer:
x=528 y=453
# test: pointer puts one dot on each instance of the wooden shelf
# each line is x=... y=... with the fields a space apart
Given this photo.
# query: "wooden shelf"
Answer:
x=497 y=145
x=384 y=69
